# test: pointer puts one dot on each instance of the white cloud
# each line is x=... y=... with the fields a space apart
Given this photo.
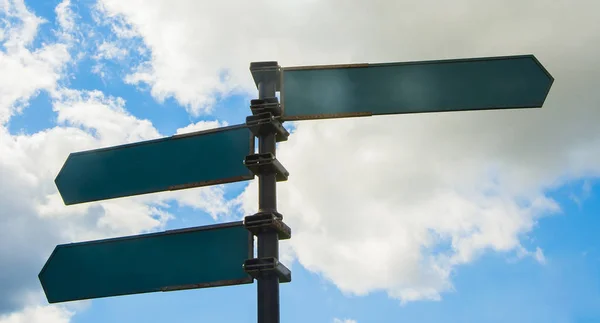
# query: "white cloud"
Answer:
x=36 y=70
x=403 y=198
x=117 y=24
x=65 y=16
x=539 y=255
x=194 y=43
x=202 y=125
x=396 y=210
x=586 y=192
x=106 y=116
x=110 y=50
x=39 y=314
x=25 y=176
x=23 y=26
x=385 y=194
x=98 y=69
x=31 y=211
x=336 y=320
x=208 y=199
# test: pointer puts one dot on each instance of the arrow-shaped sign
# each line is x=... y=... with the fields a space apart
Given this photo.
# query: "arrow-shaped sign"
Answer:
x=183 y=161
x=336 y=91
x=198 y=257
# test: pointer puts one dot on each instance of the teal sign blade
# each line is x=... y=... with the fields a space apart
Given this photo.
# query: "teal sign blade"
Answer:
x=319 y=92
x=198 y=257
x=182 y=161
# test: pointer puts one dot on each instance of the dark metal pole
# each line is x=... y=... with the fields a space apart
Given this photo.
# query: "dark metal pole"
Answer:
x=268 y=242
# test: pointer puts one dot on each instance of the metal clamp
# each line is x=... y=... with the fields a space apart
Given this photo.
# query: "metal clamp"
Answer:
x=265 y=123
x=265 y=71
x=268 y=221
x=262 y=267
x=258 y=106
x=266 y=163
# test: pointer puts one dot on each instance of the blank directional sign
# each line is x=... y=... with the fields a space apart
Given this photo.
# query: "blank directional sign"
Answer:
x=318 y=92
x=180 y=259
x=182 y=161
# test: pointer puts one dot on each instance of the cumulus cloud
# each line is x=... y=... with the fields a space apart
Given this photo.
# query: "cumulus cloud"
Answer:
x=31 y=211
x=24 y=72
x=195 y=44
x=65 y=17
x=405 y=198
x=37 y=69
x=202 y=125
x=106 y=116
x=39 y=314
x=407 y=202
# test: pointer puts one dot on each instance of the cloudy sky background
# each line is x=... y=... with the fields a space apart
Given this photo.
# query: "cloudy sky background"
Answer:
x=476 y=216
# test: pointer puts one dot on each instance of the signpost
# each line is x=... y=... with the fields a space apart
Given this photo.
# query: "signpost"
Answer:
x=213 y=256
x=182 y=161
x=198 y=257
x=319 y=92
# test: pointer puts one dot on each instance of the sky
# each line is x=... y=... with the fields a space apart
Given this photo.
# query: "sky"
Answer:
x=486 y=216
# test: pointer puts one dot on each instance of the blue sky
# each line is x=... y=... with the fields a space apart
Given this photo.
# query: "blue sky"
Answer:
x=466 y=217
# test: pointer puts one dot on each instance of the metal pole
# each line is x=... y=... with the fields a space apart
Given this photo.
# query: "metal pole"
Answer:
x=268 y=242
